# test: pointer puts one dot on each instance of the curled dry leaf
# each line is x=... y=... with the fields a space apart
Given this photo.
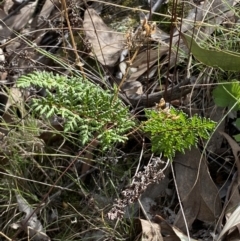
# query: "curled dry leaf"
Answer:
x=232 y=222
x=159 y=230
x=149 y=231
x=30 y=224
x=5 y=32
x=145 y=60
x=233 y=198
x=171 y=233
x=216 y=114
x=132 y=88
x=141 y=63
x=235 y=149
x=48 y=6
x=106 y=44
x=18 y=21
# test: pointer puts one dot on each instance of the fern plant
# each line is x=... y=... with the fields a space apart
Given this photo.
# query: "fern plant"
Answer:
x=95 y=113
x=85 y=108
x=170 y=130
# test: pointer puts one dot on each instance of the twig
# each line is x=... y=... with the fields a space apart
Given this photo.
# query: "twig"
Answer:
x=174 y=93
x=6 y=237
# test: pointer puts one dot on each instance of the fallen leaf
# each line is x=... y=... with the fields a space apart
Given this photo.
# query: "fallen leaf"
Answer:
x=233 y=198
x=170 y=232
x=235 y=149
x=132 y=88
x=198 y=193
x=213 y=58
x=19 y=20
x=232 y=222
x=145 y=60
x=216 y=114
x=106 y=44
x=149 y=231
x=47 y=8
x=15 y=98
x=30 y=224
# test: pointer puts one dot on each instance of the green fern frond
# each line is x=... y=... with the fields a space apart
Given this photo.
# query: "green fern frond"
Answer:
x=87 y=109
x=171 y=130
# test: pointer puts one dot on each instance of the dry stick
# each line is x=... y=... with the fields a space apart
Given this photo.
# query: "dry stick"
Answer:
x=154 y=8
x=52 y=187
x=6 y=237
x=77 y=61
x=174 y=93
x=173 y=20
x=179 y=38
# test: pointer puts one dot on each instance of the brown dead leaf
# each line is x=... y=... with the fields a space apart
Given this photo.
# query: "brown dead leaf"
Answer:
x=10 y=100
x=5 y=32
x=132 y=88
x=145 y=60
x=15 y=98
x=235 y=149
x=198 y=193
x=169 y=232
x=233 y=199
x=232 y=222
x=18 y=21
x=216 y=114
x=149 y=231
x=30 y=224
x=48 y=6
x=159 y=230
x=106 y=44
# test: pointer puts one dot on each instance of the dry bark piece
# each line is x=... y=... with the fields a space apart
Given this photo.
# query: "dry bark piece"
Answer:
x=106 y=44
x=198 y=193
x=174 y=93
